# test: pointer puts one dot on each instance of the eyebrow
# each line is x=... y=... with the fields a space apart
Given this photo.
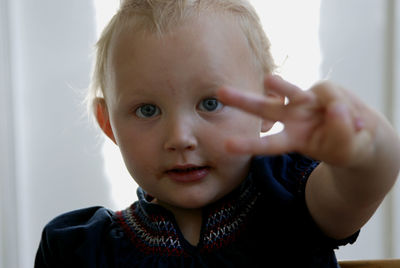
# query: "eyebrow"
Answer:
x=214 y=79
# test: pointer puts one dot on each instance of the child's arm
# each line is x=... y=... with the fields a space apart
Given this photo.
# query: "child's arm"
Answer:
x=359 y=150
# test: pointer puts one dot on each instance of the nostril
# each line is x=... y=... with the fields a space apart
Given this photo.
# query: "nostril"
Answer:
x=190 y=147
x=181 y=146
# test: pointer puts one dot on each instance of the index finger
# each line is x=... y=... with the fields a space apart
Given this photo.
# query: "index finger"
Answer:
x=262 y=106
x=284 y=88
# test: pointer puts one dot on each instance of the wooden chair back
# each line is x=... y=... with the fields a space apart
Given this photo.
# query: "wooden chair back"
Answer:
x=384 y=263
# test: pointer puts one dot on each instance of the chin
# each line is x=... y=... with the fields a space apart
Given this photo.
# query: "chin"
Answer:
x=195 y=203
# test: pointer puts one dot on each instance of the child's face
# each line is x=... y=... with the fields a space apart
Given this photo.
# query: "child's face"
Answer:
x=165 y=118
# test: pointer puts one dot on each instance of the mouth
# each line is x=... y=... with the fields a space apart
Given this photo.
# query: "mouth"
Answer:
x=188 y=173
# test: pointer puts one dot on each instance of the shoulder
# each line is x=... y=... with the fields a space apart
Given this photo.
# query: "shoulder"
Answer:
x=81 y=217
x=282 y=180
x=63 y=236
x=80 y=222
x=287 y=172
x=285 y=164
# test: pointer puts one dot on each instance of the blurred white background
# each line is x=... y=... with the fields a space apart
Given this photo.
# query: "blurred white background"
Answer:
x=53 y=160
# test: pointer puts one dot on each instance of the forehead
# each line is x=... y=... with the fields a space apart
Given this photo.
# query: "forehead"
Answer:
x=208 y=45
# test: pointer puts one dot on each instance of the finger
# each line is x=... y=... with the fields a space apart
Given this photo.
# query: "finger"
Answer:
x=340 y=144
x=268 y=145
x=271 y=109
x=283 y=88
x=339 y=118
x=329 y=92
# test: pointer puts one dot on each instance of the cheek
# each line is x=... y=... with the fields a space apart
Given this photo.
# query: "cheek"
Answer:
x=140 y=162
x=231 y=168
x=244 y=125
x=237 y=125
x=137 y=149
x=233 y=124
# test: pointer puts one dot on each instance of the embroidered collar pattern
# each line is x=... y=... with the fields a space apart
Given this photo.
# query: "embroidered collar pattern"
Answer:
x=153 y=231
x=151 y=234
x=228 y=219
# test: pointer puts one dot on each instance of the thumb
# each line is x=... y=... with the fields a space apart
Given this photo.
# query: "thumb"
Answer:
x=338 y=119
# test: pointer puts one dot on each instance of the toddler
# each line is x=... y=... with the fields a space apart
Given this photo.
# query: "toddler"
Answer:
x=184 y=88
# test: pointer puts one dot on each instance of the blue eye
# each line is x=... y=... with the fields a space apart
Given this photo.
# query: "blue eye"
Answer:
x=210 y=105
x=147 y=111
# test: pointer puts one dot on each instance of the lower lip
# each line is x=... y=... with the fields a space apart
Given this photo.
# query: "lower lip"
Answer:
x=189 y=176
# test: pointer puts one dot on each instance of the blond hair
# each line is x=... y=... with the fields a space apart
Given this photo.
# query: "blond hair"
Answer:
x=158 y=16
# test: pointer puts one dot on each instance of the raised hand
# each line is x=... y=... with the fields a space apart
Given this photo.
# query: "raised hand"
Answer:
x=359 y=150
x=326 y=122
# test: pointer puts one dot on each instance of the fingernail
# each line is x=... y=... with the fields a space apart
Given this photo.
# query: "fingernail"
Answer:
x=359 y=123
x=338 y=109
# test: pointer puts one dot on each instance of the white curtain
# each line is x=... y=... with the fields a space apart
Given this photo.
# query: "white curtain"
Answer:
x=359 y=43
x=51 y=154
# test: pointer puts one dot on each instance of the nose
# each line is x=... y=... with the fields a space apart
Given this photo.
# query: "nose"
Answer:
x=180 y=135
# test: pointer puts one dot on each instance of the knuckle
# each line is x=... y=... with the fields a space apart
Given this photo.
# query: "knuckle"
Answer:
x=324 y=85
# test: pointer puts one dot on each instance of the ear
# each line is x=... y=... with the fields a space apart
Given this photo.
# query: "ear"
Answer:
x=266 y=125
x=103 y=118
